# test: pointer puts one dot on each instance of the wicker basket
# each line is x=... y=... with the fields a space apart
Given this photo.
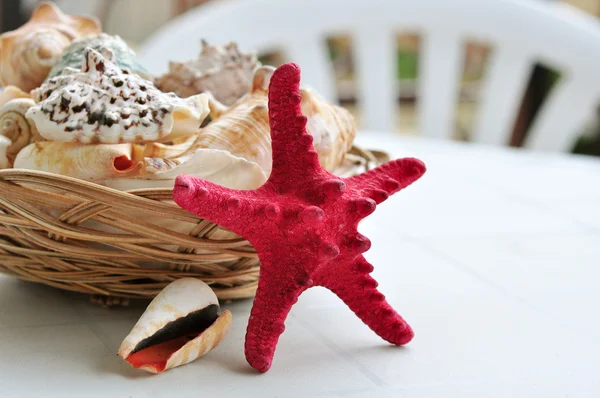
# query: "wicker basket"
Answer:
x=83 y=237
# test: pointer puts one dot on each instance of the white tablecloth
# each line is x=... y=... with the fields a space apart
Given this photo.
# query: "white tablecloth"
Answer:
x=493 y=257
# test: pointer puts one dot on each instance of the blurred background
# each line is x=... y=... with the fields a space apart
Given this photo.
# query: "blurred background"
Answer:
x=116 y=18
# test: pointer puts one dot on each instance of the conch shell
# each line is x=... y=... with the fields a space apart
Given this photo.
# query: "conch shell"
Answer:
x=180 y=325
x=73 y=56
x=85 y=162
x=223 y=71
x=243 y=129
x=28 y=53
x=103 y=103
x=16 y=129
x=218 y=166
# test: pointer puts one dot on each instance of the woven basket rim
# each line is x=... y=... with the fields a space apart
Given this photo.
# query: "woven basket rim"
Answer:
x=61 y=231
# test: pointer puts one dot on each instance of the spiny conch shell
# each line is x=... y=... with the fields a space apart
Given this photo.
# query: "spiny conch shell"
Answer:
x=103 y=103
x=73 y=56
x=223 y=71
x=180 y=325
x=85 y=162
x=243 y=129
x=17 y=130
x=218 y=166
x=28 y=53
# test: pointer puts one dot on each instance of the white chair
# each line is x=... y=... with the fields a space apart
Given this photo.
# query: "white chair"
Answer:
x=521 y=33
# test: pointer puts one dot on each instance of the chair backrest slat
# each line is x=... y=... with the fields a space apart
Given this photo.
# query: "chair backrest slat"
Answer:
x=440 y=67
x=310 y=51
x=375 y=68
x=502 y=93
x=563 y=115
x=520 y=33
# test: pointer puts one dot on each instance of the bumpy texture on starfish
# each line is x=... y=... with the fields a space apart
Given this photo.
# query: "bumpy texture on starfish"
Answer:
x=303 y=224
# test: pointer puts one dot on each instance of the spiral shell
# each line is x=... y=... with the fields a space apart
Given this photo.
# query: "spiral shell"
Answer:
x=17 y=130
x=28 y=53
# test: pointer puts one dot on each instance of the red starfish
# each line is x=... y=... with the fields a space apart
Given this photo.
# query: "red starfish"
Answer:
x=303 y=224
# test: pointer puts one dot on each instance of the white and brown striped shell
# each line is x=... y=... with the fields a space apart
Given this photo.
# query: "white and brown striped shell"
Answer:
x=102 y=103
x=28 y=53
x=16 y=131
x=180 y=325
x=223 y=71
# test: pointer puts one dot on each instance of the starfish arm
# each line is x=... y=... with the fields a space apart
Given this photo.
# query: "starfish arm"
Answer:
x=293 y=152
x=277 y=293
x=216 y=203
x=389 y=178
x=359 y=291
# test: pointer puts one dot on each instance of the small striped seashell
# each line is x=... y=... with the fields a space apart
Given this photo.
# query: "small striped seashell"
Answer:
x=17 y=131
x=180 y=325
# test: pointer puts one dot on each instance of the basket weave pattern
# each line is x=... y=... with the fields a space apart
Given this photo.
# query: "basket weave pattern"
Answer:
x=84 y=237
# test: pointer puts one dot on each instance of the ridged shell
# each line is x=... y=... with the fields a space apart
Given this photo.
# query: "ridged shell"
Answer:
x=333 y=128
x=28 y=53
x=243 y=129
x=180 y=299
x=85 y=162
x=73 y=56
x=17 y=130
x=223 y=71
x=102 y=103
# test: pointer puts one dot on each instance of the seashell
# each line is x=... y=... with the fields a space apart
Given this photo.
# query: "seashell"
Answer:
x=223 y=71
x=332 y=127
x=4 y=144
x=218 y=166
x=10 y=93
x=73 y=56
x=243 y=129
x=102 y=103
x=86 y=162
x=17 y=130
x=166 y=150
x=180 y=325
x=28 y=53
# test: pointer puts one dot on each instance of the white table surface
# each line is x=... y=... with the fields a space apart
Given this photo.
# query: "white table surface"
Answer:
x=493 y=257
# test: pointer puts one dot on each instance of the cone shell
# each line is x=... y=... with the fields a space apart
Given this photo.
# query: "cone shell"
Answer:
x=243 y=129
x=223 y=71
x=102 y=103
x=28 y=53
x=85 y=162
x=17 y=130
x=180 y=325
